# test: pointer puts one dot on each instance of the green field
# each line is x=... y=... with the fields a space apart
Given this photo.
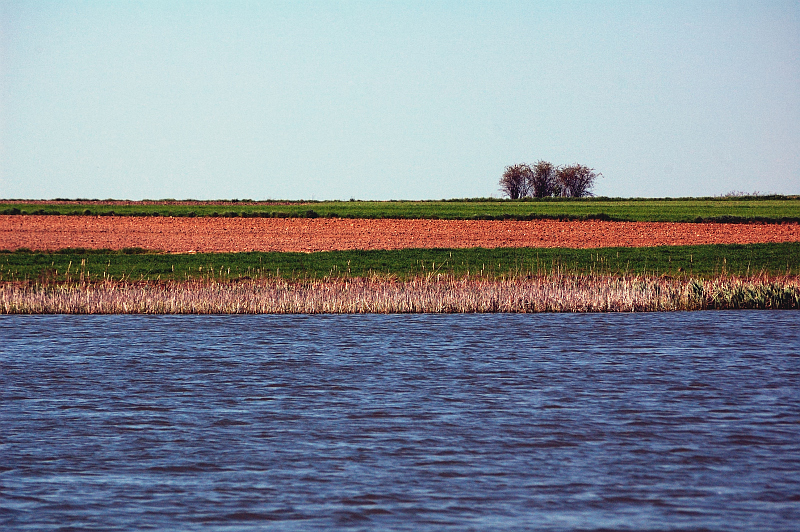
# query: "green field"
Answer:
x=138 y=265
x=737 y=209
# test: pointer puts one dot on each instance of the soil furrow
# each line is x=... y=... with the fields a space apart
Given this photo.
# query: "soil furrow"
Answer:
x=182 y=235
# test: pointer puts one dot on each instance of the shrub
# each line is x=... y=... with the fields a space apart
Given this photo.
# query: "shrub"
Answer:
x=576 y=181
x=515 y=180
x=542 y=182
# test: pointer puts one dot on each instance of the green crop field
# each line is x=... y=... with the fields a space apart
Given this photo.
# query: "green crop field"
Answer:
x=140 y=265
x=736 y=209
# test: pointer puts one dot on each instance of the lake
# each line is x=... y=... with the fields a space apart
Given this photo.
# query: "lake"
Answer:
x=666 y=421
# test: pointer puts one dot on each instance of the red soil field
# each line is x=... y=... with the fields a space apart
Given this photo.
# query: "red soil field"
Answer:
x=186 y=235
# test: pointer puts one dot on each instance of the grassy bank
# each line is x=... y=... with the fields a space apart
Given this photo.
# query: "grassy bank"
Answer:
x=555 y=293
x=70 y=266
x=771 y=209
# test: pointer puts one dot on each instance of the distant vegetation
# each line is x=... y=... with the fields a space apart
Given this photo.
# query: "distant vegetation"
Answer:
x=544 y=180
x=758 y=276
x=137 y=265
x=769 y=209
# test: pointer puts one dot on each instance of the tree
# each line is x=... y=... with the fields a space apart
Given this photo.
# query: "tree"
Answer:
x=514 y=182
x=542 y=181
x=575 y=181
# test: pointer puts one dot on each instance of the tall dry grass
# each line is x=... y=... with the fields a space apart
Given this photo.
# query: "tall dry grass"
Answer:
x=432 y=294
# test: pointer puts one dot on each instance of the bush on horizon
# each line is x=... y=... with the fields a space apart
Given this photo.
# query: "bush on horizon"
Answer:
x=544 y=180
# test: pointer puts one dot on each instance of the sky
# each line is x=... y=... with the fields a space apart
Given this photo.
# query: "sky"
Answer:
x=394 y=99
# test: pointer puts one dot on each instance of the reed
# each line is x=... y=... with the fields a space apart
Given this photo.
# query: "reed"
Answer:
x=424 y=294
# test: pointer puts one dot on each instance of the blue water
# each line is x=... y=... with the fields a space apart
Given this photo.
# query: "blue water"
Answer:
x=419 y=422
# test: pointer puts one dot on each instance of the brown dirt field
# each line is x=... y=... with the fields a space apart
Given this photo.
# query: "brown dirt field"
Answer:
x=183 y=235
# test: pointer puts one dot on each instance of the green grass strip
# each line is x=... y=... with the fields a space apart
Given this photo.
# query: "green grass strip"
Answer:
x=769 y=209
x=138 y=265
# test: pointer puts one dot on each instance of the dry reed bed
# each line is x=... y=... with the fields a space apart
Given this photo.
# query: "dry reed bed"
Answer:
x=426 y=294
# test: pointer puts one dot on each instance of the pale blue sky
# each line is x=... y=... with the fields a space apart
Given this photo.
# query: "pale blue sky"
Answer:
x=394 y=100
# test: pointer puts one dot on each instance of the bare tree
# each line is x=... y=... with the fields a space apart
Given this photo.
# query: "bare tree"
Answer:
x=542 y=181
x=576 y=181
x=515 y=180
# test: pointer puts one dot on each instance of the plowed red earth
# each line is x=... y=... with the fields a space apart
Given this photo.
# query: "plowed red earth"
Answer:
x=183 y=235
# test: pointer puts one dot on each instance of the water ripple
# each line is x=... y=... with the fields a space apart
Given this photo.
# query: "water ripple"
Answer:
x=554 y=422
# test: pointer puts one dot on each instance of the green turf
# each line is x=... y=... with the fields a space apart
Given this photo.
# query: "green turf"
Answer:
x=737 y=209
x=135 y=265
